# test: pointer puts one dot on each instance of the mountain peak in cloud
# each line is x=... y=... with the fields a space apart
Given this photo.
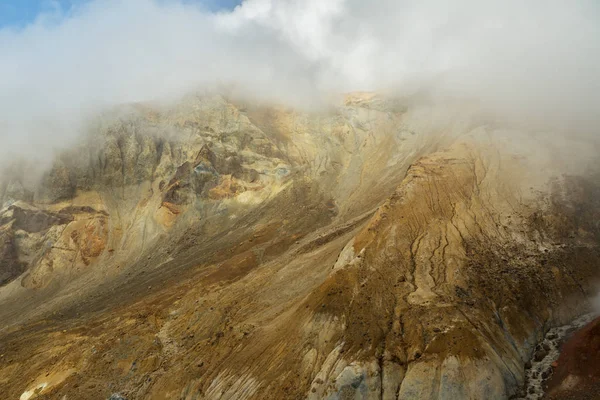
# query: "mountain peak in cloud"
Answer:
x=538 y=58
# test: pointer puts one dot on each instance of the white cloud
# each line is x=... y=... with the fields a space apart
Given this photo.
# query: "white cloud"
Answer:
x=539 y=57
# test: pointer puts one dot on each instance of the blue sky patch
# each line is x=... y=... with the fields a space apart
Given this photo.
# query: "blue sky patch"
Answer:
x=19 y=13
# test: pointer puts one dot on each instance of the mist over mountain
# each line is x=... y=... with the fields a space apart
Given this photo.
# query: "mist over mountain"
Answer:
x=537 y=59
x=300 y=200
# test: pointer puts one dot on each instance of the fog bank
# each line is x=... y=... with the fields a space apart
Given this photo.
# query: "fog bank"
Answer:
x=536 y=59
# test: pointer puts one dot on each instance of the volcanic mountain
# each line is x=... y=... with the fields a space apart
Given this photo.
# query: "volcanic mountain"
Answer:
x=217 y=249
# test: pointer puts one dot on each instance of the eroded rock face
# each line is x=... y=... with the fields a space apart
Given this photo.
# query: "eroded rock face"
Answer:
x=147 y=170
x=253 y=252
x=10 y=266
x=450 y=288
x=33 y=220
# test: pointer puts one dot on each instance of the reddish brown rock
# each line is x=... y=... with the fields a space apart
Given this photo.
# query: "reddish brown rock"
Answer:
x=577 y=373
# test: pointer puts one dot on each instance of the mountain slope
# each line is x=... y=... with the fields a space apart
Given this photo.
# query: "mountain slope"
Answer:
x=223 y=250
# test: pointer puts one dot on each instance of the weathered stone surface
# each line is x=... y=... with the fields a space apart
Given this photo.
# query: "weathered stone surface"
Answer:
x=577 y=371
x=34 y=220
x=10 y=265
x=56 y=185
